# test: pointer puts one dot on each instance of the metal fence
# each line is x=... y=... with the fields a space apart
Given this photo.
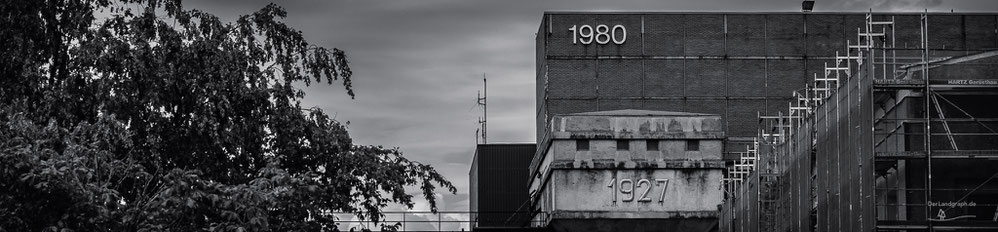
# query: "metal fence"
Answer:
x=430 y=221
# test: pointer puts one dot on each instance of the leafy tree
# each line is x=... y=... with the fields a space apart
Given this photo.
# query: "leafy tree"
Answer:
x=139 y=115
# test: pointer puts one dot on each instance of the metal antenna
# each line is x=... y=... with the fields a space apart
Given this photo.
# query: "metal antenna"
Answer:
x=483 y=121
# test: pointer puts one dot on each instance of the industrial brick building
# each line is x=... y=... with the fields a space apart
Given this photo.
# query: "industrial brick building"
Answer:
x=737 y=65
x=831 y=121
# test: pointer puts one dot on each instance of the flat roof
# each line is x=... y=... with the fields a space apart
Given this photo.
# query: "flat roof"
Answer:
x=761 y=12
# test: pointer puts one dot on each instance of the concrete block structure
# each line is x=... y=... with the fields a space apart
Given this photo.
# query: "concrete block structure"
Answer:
x=629 y=170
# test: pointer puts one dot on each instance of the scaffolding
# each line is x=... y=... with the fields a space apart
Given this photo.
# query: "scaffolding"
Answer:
x=875 y=144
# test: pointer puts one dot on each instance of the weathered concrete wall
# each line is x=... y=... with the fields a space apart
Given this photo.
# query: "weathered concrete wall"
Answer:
x=584 y=223
x=565 y=150
x=602 y=131
x=673 y=185
x=618 y=127
x=658 y=190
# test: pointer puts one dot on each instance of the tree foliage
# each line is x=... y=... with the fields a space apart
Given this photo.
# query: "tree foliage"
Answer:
x=140 y=115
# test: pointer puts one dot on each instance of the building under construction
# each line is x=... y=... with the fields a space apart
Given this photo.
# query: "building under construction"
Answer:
x=810 y=121
x=897 y=134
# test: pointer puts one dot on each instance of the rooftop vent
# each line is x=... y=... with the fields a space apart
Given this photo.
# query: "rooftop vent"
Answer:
x=807 y=5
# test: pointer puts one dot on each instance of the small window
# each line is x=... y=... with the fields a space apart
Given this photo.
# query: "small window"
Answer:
x=581 y=144
x=652 y=145
x=692 y=145
x=623 y=145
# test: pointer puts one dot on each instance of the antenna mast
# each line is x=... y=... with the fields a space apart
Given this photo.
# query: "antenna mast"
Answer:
x=483 y=121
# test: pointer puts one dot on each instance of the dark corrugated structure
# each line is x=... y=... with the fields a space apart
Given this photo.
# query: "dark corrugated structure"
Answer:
x=858 y=157
x=499 y=185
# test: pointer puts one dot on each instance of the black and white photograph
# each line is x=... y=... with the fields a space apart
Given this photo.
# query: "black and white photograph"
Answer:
x=497 y=116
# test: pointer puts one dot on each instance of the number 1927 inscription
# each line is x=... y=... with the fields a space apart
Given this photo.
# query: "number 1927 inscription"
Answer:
x=628 y=188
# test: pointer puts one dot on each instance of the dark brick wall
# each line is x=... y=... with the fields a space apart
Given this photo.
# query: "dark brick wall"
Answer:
x=785 y=76
x=733 y=64
x=619 y=78
x=665 y=35
x=664 y=105
x=907 y=23
x=705 y=35
x=746 y=34
x=664 y=78
x=946 y=32
x=826 y=34
x=783 y=35
x=541 y=80
x=742 y=116
x=705 y=78
x=746 y=78
x=633 y=26
x=979 y=32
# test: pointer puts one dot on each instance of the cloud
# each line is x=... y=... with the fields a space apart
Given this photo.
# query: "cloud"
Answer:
x=907 y=5
x=892 y=5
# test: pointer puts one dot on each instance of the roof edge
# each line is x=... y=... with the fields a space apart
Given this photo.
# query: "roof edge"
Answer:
x=506 y=143
x=760 y=12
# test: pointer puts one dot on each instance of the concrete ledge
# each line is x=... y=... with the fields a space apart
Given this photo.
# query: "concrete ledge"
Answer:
x=625 y=135
x=638 y=221
x=633 y=214
x=637 y=164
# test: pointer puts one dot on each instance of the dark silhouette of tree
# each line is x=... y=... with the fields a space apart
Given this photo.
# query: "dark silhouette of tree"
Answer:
x=140 y=115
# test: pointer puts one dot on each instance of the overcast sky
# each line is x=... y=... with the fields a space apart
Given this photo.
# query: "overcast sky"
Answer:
x=418 y=64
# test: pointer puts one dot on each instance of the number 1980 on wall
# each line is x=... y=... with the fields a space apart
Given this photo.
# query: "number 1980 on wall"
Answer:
x=601 y=34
